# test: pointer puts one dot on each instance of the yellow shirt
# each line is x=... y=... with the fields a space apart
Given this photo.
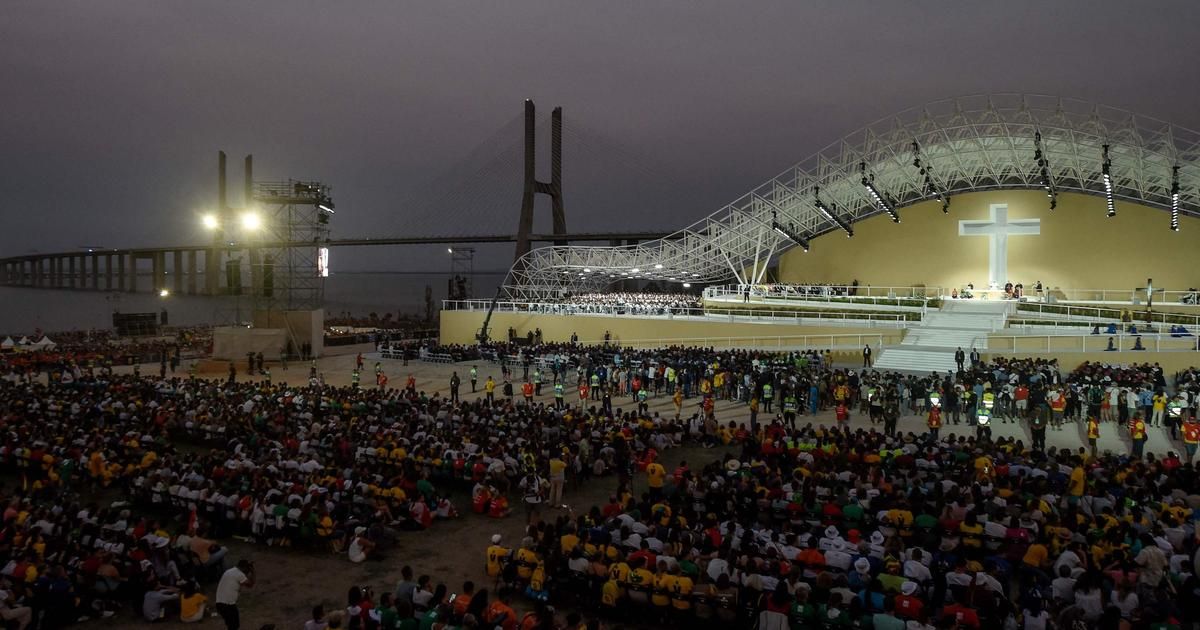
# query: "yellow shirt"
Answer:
x=189 y=606
x=1075 y=487
x=568 y=543
x=663 y=585
x=495 y=557
x=610 y=593
x=655 y=474
x=681 y=591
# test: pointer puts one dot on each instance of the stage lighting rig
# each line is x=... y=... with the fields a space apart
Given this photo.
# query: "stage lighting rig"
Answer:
x=1044 y=169
x=1175 y=198
x=788 y=231
x=830 y=213
x=927 y=172
x=1106 y=172
x=868 y=182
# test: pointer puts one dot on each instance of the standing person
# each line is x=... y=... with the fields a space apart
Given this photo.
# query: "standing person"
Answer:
x=454 y=383
x=558 y=477
x=867 y=355
x=960 y=357
x=535 y=493
x=229 y=589
x=527 y=392
x=934 y=421
x=489 y=390
x=1137 y=433
x=1191 y=436
x=1093 y=433
x=974 y=357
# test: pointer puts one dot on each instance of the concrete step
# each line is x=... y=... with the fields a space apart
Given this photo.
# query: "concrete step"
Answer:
x=942 y=338
x=921 y=361
x=962 y=321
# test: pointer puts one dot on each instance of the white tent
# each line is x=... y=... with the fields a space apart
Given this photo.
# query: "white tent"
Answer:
x=7 y=344
x=44 y=344
x=23 y=342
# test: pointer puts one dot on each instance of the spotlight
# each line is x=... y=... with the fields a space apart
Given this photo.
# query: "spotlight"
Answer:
x=658 y=266
x=790 y=234
x=883 y=204
x=687 y=285
x=163 y=293
x=1175 y=198
x=251 y=221
x=1105 y=170
x=210 y=221
x=828 y=213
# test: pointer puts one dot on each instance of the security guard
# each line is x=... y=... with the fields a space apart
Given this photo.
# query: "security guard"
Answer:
x=789 y=409
x=558 y=395
x=537 y=381
x=768 y=397
x=354 y=379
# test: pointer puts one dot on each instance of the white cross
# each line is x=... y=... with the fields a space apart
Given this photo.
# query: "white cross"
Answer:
x=999 y=228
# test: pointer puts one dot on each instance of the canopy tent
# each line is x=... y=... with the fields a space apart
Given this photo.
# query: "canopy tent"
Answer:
x=7 y=344
x=43 y=344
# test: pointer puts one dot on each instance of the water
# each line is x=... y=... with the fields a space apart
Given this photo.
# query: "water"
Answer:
x=357 y=293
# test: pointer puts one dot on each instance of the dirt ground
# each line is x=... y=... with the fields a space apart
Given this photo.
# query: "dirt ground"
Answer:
x=291 y=582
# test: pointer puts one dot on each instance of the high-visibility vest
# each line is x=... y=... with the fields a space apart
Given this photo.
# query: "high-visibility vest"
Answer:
x=1191 y=432
x=1093 y=429
x=789 y=403
x=558 y=390
x=768 y=391
x=1138 y=430
x=988 y=400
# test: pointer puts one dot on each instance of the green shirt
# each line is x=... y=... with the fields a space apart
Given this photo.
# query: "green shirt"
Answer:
x=389 y=619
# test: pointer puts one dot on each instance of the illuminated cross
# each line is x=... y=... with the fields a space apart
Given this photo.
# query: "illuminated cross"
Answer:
x=999 y=228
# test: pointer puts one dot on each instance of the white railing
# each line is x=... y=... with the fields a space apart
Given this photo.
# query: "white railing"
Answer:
x=552 y=308
x=846 y=318
x=1117 y=342
x=1031 y=310
x=1126 y=296
x=753 y=313
x=764 y=342
x=866 y=293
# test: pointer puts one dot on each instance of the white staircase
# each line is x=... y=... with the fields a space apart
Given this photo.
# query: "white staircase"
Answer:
x=930 y=346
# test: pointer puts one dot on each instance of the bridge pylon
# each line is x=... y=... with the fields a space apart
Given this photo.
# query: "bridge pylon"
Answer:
x=532 y=186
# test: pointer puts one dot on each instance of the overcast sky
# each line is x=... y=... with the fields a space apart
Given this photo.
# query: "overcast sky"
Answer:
x=111 y=113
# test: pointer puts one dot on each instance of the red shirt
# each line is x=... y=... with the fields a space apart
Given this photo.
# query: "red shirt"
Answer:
x=965 y=616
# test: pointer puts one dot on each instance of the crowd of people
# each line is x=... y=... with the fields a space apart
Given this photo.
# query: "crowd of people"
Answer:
x=798 y=523
x=833 y=528
x=622 y=303
x=805 y=290
x=103 y=349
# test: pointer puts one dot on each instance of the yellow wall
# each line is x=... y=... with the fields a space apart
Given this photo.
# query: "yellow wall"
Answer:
x=1078 y=246
x=461 y=326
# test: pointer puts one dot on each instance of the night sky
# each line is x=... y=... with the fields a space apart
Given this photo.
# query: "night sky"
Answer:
x=111 y=113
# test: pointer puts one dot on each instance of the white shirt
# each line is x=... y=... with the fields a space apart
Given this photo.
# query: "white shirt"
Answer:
x=230 y=586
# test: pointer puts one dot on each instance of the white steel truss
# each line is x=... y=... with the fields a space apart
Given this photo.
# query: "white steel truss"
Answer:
x=967 y=144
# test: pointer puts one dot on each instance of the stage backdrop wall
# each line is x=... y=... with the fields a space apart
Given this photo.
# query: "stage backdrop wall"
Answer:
x=1078 y=246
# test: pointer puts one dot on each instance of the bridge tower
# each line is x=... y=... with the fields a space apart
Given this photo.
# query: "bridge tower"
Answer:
x=532 y=186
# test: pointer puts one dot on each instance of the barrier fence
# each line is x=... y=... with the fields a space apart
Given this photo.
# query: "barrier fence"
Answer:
x=1118 y=342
